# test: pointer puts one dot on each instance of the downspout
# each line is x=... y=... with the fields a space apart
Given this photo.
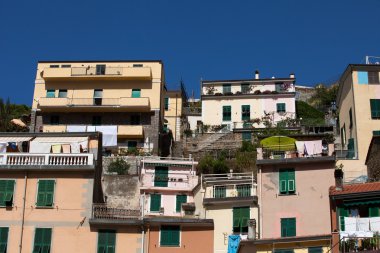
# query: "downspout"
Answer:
x=259 y=209
x=142 y=238
x=23 y=212
x=142 y=227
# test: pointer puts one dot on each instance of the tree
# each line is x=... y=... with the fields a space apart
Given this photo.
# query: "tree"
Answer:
x=5 y=115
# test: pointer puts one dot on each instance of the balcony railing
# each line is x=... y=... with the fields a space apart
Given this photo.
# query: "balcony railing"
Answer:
x=27 y=159
x=231 y=191
x=171 y=181
x=266 y=153
x=102 y=211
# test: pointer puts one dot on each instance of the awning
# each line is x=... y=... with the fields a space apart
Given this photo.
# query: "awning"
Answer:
x=15 y=139
x=362 y=202
x=67 y=139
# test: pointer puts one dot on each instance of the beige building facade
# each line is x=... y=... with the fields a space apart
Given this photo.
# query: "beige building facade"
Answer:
x=122 y=99
x=174 y=113
x=358 y=102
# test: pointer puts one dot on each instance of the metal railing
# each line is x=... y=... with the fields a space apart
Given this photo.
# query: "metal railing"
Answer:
x=88 y=71
x=231 y=190
x=267 y=153
x=102 y=211
x=97 y=102
x=27 y=159
x=231 y=177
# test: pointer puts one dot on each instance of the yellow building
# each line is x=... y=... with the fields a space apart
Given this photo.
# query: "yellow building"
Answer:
x=173 y=113
x=358 y=101
x=122 y=99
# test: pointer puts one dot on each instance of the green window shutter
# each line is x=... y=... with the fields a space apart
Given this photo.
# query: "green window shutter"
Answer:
x=315 y=250
x=244 y=88
x=106 y=241
x=170 y=236
x=45 y=193
x=244 y=213
x=50 y=93
x=155 y=202
x=226 y=113
x=3 y=239
x=226 y=88
x=220 y=192
x=166 y=103
x=136 y=93
x=42 y=240
x=291 y=181
x=374 y=211
x=376 y=133
x=283 y=181
x=288 y=227
x=6 y=192
x=351 y=148
x=350 y=116
x=342 y=212
x=244 y=190
x=179 y=201
x=375 y=108
x=161 y=176
x=284 y=223
x=245 y=112
x=236 y=218
x=281 y=107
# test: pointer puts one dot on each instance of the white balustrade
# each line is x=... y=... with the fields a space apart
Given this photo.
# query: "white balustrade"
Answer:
x=46 y=159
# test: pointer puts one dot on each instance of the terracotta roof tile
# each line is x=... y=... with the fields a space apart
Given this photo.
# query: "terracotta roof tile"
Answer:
x=355 y=188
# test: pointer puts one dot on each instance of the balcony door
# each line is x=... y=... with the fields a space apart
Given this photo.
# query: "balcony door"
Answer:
x=98 y=95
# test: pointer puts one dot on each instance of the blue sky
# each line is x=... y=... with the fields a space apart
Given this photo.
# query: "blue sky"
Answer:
x=195 y=39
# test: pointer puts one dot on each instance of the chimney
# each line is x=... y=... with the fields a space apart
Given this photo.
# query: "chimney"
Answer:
x=338 y=174
x=257 y=74
x=252 y=229
x=292 y=75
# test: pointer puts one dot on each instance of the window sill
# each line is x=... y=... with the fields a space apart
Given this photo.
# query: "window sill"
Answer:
x=44 y=207
x=287 y=194
x=170 y=246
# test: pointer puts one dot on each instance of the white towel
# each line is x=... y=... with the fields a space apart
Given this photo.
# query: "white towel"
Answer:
x=109 y=135
x=363 y=224
x=350 y=223
x=39 y=147
x=76 y=128
x=375 y=224
x=300 y=147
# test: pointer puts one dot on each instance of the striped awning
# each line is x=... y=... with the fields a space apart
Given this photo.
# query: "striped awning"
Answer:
x=362 y=202
x=67 y=139
x=15 y=138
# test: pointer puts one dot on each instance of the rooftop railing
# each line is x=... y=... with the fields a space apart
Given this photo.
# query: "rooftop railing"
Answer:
x=28 y=159
x=230 y=177
x=102 y=211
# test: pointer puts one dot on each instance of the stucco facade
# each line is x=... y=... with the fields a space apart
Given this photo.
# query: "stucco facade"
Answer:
x=173 y=113
x=131 y=91
x=354 y=95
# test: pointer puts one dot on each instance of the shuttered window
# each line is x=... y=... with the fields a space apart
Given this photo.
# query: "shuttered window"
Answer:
x=245 y=112
x=136 y=93
x=227 y=113
x=45 y=193
x=287 y=181
x=244 y=190
x=351 y=148
x=245 y=88
x=42 y=240
x=170 y=236
x=315 y=250
x=288 y=227
x=166 y=104
x=62 y=93
x=161 y=176
x=6 y=192
x=3 y=239
x=106 y=241
x=219 y=192
x=376 y=133
x=226 y=88
x=375 y=108
x=374 y=211
x=240 y=219
x=155 y=202
x=281 y=107
x=179 y=201
x=342 y=212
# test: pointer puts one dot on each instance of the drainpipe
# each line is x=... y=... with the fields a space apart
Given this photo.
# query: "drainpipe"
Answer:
x=142 y=238
x=23 y=212
x=259 y=208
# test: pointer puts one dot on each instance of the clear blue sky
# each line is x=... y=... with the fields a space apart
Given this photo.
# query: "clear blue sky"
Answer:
x=195 y=39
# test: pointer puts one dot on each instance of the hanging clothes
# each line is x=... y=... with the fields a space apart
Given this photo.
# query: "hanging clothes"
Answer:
x=76 y=128
x=233 y=243
x=3 y=147
x=300 y=147
x=12 y=147
x=56 y=149
x=66 y=148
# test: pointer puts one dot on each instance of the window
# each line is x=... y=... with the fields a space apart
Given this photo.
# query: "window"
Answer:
x=169 y=236
x=226 y=88
x=96 y=120
x=245 y=112
x=219 y=192
x=362 y=77
x=66 y=66
x=244 y=190
x=375 y=108
x=62 y=93
x=246 y=136
x=288 y=227
x=135 y=119
x=373 y=77
x=45 y=193
x=42 y=240
x=343 y=212
x=165 y=128
x=281 y=107
x=54 y=120
x=132 y=144
x=100 y=69
x=161 y=176
x=226 y=113
x=240 y=219
x=245 y=88
x=6 y=192
x=351 y=148
x=279 y=87
x=155 y=202
x=136 y=93
x=179 y=201
x=166 y=104
x=374 y=211
x=315 y=250
x=50 y=93
x=3 y=239
x=350 y=115
x=138 y=65
x=287 y=181
x=98 y=94
x=376 y=133
x=54 y=66
x=106 y=241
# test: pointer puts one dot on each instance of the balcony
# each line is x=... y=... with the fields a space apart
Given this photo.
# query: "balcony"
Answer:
x=173 y=181
x=90 y=72
x=75 y=104
x=130 y=130
x=28 y=159
x=102 y=211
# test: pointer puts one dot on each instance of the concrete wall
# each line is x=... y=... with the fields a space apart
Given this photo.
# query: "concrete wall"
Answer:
x=192 y=239
x=310 y=204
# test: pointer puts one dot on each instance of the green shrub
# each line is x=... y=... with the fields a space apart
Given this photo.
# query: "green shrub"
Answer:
x=119 y=166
